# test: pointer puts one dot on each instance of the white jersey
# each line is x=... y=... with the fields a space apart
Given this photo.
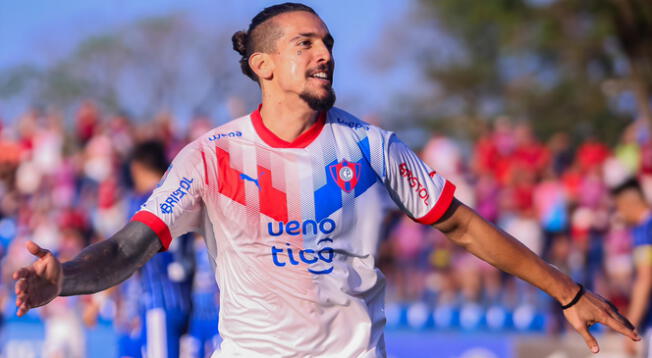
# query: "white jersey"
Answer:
x=292 y=229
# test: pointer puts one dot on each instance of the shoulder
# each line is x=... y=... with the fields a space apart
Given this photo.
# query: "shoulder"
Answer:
x=204 y=145
x=643 y=233
x=237 y=128
x=343 y=121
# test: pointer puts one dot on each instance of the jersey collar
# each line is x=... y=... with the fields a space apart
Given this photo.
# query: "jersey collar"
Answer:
x=274 y=141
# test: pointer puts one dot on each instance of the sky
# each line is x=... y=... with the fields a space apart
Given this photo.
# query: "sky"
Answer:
x=40 y=31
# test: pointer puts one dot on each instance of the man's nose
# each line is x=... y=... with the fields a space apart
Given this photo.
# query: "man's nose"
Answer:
x=324 y=54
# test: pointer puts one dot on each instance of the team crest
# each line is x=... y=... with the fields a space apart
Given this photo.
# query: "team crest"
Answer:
x=345 y=174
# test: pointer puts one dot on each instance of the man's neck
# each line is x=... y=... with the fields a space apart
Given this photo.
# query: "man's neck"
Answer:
x=146 y=182
x=287 y=119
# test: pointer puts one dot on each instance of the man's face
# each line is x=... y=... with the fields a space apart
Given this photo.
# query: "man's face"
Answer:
x=628 y=206
x=303 y=62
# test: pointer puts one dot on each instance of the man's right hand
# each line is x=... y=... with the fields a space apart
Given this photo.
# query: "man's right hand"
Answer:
x=39 y=283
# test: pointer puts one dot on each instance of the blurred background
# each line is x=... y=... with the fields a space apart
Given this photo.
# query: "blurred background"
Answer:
x=533 y=108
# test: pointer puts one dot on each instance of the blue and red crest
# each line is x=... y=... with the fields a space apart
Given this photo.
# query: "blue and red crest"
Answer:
x=345 y=174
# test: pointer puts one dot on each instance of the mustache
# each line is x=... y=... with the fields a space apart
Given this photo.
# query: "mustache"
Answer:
x=321 y=68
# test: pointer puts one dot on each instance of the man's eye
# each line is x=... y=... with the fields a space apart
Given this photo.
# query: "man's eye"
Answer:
x=305 y=43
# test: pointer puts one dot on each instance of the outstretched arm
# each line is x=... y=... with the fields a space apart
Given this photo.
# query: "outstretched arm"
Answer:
x=469 y=230
x=97 y=267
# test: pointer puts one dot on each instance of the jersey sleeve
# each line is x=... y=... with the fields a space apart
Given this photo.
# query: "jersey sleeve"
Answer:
x=643 y=255
x=417 y=189
x=642 y=246
x=175 y=206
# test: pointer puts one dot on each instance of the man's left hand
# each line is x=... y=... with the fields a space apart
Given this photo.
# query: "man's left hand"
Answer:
x=591 y=309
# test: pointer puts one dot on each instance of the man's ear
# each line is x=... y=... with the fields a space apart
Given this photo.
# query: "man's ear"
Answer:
x=262 y=65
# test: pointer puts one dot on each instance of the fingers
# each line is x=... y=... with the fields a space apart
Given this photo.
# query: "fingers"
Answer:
x=22 y=310
x=589 y=339
x=21 y=297
x=21 y=286
x=592 y=309
x=22 y=273
x=619 y=323
x=621 y=328
x=36 y=250
x=21 y=282
x=21 y=289
x=619 y=317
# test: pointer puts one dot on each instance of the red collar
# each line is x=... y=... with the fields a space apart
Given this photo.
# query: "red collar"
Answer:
x=274 y=141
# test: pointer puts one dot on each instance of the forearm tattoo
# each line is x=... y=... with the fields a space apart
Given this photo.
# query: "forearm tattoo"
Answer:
x=109 y=262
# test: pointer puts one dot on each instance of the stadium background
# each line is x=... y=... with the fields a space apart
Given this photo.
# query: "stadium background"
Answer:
x=534 y=108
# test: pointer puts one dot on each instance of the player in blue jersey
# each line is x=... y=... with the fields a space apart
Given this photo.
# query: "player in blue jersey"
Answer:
x=288 y=201
x=203 y=336
x=635 y=211
x=127 y=321
x=166 y=280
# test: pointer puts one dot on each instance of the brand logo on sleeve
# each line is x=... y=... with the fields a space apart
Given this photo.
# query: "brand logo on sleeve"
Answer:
x=173 y=199
x=415 y=183
x=345 y=174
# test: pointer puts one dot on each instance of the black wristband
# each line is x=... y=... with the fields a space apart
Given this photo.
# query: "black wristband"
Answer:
x=577 y=297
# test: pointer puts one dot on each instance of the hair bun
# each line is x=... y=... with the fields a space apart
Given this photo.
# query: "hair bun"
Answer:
x=240 y=42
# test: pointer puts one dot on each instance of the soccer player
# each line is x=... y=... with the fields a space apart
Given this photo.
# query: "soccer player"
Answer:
x=288 y=199
x=203 y=337
x=635 y=211
x=166 y=279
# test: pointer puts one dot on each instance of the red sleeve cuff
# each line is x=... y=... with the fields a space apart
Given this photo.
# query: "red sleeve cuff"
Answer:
x=157 y=225
x=444 y=202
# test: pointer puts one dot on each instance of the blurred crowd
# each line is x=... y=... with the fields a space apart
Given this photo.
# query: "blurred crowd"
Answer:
x=67 y=184
x=63 y=184
x=553 y=196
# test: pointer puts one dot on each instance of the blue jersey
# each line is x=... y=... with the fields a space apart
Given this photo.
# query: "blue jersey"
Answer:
x=204 y=318
x=642 y=246
x=129 y=292
x=166 y=279
x=204 y=291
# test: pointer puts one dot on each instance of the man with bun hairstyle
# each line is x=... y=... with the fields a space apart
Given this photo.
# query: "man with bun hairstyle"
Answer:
x=289 y=199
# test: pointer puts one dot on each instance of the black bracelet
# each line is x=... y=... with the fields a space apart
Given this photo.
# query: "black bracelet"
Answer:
x=577 y=297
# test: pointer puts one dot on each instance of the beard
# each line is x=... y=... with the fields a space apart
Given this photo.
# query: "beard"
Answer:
x=317 y=103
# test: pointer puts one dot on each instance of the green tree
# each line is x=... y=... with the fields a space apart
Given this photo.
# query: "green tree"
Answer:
x=562 y=64
x=154 y=64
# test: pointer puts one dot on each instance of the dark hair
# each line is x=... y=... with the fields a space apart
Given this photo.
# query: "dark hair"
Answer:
x=627 y=185
x=257 y=39
x=151 y=154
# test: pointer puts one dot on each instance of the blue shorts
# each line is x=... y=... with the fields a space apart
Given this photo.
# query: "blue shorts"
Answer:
x=162 y=332
x=204 y=337
x=129 y=346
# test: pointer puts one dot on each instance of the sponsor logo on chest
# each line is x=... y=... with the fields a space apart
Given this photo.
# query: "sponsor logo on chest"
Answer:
x=322 y=253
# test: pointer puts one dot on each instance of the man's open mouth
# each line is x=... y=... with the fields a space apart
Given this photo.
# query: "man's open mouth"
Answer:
x=322 y=75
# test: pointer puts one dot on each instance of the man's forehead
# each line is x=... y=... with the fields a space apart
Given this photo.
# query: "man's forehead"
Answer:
x=628 y=196
x=298 y=23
